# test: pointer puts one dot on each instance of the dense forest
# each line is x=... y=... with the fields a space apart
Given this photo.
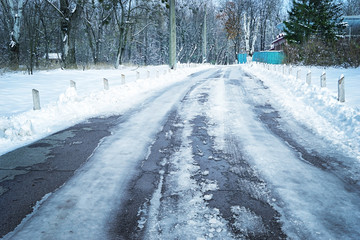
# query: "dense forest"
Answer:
x=112 y=32
x=84 y=33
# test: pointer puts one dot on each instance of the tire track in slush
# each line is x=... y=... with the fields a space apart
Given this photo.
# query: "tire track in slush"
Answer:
x=242 y=198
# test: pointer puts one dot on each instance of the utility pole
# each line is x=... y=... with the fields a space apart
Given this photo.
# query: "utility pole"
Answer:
x=204 y=38
x=172 y=47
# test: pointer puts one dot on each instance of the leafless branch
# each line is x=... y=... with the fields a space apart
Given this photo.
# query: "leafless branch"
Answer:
x=57 y=9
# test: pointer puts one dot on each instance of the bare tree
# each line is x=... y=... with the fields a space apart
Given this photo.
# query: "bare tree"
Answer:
x=13 y=12
x=352 y=7
x=122 y=10
x=70 y=13
x=96 y=16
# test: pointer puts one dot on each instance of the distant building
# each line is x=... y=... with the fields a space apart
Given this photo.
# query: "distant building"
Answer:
x=280 y=41
x=54 y=58
x=352 y=26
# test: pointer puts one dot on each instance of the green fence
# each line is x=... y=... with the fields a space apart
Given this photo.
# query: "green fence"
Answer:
x=271 y=57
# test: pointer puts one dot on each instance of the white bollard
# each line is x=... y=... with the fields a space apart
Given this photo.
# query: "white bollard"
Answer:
x=341 y=89
x=298 y=74
x=308 y=78
x=157 y=74
x=137 y=75
x=290 y=70
x=36 y=99
x=123 y=79
x=148 y=74
x=73 y=84
x=106 y=84
x=323 y=79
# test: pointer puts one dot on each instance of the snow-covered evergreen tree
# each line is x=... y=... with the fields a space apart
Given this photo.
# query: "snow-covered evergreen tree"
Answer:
x=308 y=18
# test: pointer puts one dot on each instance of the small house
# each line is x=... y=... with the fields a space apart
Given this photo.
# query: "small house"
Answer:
x=280 y=41
x=54 y=58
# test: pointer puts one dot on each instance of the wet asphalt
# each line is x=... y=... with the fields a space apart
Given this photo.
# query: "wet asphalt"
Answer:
x=238 y=182
x=29 y=173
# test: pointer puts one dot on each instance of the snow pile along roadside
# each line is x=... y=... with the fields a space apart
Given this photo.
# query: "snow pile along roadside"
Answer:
x=318 y=108
x=71 y=107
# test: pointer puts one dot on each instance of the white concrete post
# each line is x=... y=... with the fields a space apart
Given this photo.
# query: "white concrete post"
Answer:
x=36 y=99
x=323 y=79
x=341 y=89
x=148 y=74
x=290 y=70
x=123 y=79
x=157 y=74
x=308 y=78
x=298 y=74
x=106 y=84
x=73 y=84
x=137 y=75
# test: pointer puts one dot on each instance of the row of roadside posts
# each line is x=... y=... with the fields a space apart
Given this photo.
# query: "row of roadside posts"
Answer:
x=288 y=70
x=36 y=94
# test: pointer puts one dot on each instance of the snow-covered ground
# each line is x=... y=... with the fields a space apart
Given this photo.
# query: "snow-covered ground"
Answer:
x=352 y=81
x=318 y=108
x=62 y=106
x=313 y=203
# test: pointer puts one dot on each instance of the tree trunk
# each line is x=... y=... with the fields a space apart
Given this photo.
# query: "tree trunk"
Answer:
x=172 y=44
x=257 y=23
x=204 y=38
x=123 y=32
x=69 y=18
x=121 y=26
x=14 y=45
x=247 y=33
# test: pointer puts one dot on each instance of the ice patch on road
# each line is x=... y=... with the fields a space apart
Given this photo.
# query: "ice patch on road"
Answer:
x=184 y=211
x=307 y=197
x=247 y=222
x=83 y=207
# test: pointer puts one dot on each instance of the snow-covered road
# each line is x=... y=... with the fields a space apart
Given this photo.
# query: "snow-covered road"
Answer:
x=210 y=157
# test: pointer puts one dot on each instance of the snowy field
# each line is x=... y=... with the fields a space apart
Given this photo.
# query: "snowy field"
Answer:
x=63 y=106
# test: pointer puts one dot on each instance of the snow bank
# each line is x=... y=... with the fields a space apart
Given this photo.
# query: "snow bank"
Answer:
x=318 y=108
x=63 y=106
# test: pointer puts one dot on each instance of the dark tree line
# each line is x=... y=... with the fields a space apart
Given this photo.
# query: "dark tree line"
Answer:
x=113 y=32
x=315 y=31
x=313 y=18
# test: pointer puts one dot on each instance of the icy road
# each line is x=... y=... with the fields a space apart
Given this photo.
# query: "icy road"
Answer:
x=210 y=157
